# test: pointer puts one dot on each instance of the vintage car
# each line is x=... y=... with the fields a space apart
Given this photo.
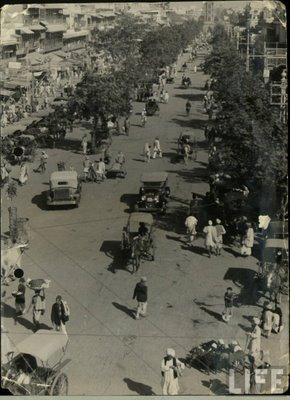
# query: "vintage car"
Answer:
x=65 y=189
x=151 y=107
x=153 y=192
x=34 y=366
x=133 y=245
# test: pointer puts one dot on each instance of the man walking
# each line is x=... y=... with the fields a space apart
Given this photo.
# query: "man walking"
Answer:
x=59 y=315
x=127 y=125
x=210 y=237
x=229 y=303
x=85 y=144
x=19 y=296
x=141 y=295
x=43 y=162
x=187 y=107
x=190 y=224
x=157 y=148
x=166 y=97
x=38 y=304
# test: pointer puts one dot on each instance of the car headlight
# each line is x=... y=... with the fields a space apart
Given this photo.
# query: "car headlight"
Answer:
x=143 y=198
x=156 y=198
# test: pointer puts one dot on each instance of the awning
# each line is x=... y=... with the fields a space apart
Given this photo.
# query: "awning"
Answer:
x=6 y=93
x=55 y=28
x=69 y=35
x=37 y=27
x=26 y=31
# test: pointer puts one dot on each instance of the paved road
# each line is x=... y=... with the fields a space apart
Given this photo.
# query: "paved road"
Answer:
x=79 y=250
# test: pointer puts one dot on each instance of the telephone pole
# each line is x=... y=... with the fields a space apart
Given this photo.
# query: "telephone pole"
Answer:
x=248 y=50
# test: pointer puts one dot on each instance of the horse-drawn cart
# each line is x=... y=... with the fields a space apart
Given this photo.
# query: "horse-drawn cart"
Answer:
x=35 y=366
x=136 y=244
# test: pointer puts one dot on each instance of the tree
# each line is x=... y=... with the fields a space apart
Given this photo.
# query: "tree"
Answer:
x=98 y=97
x=254 y=142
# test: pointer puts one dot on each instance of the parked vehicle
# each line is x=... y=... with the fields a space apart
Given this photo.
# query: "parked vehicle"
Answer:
x=65 y=189
x=153 y=192
x=35 y=366
x=133 y=245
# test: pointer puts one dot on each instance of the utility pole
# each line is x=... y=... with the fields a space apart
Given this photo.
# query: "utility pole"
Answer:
x=248 y=50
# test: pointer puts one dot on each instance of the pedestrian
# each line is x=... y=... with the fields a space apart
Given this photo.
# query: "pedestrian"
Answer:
x=229 y=304
x=190 y=224
x=187 y=107
x=143 y=117
x=23 y=175
x=220 y=231
x=5 y=171
x=248 y=241
x=59 y=314
x=141 y=295
x=157 y=148
x=254 y=346
x=85 y=143
x=186 y=152
x=210 y=237
x=43 y=162
x=101 y=170
x=277 y=319
x=161 y=96
x=166 y=97
x=195 y=68
x=147 y=153
x=171 y=369
x=267 y=319
x=127 y=125
x=38 y=307
x=86 y=168
x=120 y=159
x=19 y=296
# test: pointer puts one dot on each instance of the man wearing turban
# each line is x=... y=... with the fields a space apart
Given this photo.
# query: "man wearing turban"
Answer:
x=171 y=368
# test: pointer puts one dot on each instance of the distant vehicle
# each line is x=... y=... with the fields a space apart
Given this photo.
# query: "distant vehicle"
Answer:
x=153 y=192
x=151 y=107
x=65 y=189
x=35 y=366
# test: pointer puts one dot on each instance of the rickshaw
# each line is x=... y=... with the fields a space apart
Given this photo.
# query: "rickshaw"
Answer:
x=151 y=107
x=116 y=171
x=133 y=245
x=34 y=366
x=153 y=192
x=187 y=138
x=65 y=189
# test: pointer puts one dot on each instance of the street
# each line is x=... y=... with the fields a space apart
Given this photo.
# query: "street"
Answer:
x=79 y=251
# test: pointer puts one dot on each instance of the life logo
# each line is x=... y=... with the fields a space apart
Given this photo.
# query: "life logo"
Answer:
x=273 y=380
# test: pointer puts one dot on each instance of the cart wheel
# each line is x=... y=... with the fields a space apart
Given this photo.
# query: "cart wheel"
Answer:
x=59 y=386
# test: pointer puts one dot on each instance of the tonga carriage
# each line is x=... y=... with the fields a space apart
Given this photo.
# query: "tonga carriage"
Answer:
x=151 y=107
x=116 y=171
x=34 y=366
x=135 y=246
x=187 y=139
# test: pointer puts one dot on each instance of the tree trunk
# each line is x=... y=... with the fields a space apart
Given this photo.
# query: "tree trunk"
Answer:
x=93 y=141
x=13 y=223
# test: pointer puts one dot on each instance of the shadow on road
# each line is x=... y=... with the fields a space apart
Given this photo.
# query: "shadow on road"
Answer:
x=9 y=312
x=190 y=96
x=195 y=249
x=40 y=200
x=126 y=310
x=112 y=249
x=129 y=199
x=214 y=314
x=216 y=386
x=173 y=221
x=195 y=175
x=190 y=123
x=140 y=388
x=244 y=278
x=172 y=156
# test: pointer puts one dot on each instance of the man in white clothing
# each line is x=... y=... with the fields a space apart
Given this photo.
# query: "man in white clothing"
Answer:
x=190 y=224
x=171 y=368
x=157 y=148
